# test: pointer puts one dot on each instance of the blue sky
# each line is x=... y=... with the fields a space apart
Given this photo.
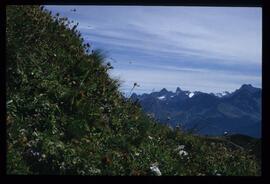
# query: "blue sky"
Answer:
x=209 y=49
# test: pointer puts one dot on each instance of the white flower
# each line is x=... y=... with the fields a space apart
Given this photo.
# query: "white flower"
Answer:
x=35 y=134
x=216 y=173
x=22 y=130
x=201 y=174
x=61 y=134
x=43 y=156
x=94 y=171
x=150 y=137
x=155 y=170
x=137 y=154
x=183 y=153
x=62 y=166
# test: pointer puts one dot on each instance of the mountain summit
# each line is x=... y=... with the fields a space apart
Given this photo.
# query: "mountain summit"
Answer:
x=249 y=88
x=163 y=91
x=211 y=114
x=178 y=90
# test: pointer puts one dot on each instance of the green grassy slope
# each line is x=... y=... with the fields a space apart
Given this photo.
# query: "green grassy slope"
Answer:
x=65 y=115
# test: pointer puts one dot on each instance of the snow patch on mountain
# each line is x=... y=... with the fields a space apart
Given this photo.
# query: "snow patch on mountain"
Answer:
x=224 y=93
x=161 y=97
x=190 y=94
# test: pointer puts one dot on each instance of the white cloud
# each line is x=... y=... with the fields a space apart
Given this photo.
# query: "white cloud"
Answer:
x=231 y=33
x=208 y=36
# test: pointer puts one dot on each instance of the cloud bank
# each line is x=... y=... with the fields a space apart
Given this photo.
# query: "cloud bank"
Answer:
x=210 y=49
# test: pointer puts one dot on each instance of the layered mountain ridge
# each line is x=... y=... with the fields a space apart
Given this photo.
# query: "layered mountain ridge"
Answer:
x=207 y=113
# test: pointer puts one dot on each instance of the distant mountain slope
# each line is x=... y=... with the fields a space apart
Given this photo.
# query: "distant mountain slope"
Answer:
x=212 y=114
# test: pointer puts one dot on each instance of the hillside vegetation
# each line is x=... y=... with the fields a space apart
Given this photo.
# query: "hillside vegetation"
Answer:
x=65 y=115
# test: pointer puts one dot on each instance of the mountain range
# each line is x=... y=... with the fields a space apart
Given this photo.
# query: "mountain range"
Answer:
x=238 y=112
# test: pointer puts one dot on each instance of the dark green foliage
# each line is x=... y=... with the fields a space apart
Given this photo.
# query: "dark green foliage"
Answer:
x=65 y=114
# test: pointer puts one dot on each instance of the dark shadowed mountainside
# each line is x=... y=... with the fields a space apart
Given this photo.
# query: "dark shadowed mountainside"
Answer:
x=209 y=114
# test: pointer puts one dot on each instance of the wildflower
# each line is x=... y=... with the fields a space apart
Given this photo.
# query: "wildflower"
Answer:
x=150 y=137
x=34 y=153
x=136 y=84
x=201 y=174
x=22 y=130
x=181 y=150
x=216 y=173
x=94 y=171
x=61 y=134
x=43 y=156
x=62 y=166
x=35 y=134
x=154 y=168
x=183 y=153
x=137 y=154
